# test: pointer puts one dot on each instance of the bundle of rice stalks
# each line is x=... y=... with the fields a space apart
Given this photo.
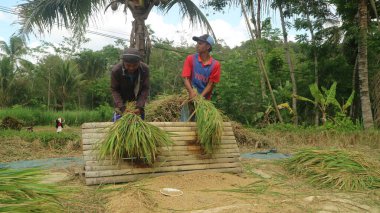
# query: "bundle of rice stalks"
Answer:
x=11 y=123
x=335 y=168
x=132 y=137
x=209 y=124
x=21 y=191
x=165 y=108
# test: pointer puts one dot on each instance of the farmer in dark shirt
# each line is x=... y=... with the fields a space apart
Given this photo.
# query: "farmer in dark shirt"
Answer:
x=130 y=82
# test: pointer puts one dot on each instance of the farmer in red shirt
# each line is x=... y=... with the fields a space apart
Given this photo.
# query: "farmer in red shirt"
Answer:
x=200 y=71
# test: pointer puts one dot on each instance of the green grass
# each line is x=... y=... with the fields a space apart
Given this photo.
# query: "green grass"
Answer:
x=335 y=169
x=53 y=139
x=31 y=117
x=21 y=191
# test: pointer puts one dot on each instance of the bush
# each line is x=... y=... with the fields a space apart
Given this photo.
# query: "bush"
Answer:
x=11 y=123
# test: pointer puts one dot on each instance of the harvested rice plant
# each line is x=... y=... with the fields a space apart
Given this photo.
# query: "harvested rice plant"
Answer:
x=131 y=137
x=209 y=124
x=334 y=168
x=22 y=191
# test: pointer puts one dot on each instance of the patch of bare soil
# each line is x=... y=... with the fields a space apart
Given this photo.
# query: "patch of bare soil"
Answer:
x=17 y=149
x=263 y=187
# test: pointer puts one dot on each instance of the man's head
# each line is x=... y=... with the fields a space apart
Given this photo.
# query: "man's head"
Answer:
x=204 y=42
x=131 y=59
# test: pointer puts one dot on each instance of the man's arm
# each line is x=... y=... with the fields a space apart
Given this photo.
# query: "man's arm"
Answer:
x=189 y=88
x=208 y=88
x=145 y=89
x=118 y=102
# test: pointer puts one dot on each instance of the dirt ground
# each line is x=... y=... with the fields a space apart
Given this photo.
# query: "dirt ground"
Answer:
x=264 y=185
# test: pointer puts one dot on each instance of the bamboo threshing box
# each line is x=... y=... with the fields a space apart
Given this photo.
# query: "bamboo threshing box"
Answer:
x=184 y=156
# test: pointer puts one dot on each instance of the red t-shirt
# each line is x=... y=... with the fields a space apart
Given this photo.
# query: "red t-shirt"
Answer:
x=188 y=68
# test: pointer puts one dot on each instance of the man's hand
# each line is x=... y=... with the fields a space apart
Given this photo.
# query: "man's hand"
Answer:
x=192 y=94
x=137 y=111
x=118 y=111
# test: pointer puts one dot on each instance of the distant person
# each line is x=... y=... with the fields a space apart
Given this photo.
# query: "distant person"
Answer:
x=130 y=82
x=59 y=125
x=200 y=72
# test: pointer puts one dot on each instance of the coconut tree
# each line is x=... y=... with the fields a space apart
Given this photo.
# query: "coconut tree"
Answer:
x=280 y=5
x=42 y=15
x=363 y=64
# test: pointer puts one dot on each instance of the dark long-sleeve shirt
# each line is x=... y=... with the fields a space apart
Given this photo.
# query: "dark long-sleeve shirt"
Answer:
x=122 y=88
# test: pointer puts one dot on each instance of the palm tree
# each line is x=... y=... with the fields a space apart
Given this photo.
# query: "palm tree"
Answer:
x=280 y=5
x=363 y=65
x=42 y=15
x=10 y=58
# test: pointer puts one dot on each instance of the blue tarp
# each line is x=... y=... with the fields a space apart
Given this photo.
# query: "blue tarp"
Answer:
x=44 y=163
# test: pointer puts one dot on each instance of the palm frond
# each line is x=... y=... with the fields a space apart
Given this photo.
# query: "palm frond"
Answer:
x=43 y=15
x=188 y=9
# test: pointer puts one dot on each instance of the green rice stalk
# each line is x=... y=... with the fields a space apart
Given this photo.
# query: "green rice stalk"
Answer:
x=335 y=169
x=209 y=124
x=22 y=191
x=130 y=136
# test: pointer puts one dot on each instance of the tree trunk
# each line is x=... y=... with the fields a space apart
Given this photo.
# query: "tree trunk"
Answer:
x=291 y=67
x=260 y=59
x=139 y=38
x=257 y=32
x=363 y=66
x=314 y=49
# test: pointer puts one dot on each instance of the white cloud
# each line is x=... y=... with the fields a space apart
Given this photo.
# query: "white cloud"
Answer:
x=119 y=25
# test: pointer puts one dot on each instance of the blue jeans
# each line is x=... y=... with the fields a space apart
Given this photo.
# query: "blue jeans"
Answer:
x=186 y=112
x=116 y=116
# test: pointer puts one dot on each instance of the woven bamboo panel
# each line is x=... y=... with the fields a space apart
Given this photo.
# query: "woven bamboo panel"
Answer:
x=184 y=156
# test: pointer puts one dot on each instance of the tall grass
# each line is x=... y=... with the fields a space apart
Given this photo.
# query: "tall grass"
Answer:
x=335 y=169
x=130 y=136
x=21 y=191
x=42 y=117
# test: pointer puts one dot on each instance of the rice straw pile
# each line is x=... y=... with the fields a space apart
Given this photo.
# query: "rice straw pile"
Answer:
x=209 y=124
x=132 y=137
x=165 y=108
x=335 y=169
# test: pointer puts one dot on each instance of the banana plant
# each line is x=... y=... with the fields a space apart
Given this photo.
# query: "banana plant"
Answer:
x=325 y=98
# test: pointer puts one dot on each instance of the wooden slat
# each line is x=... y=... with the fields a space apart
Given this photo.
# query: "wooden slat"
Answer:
x=163 y=164
x=175 y=146
x=96 y=125
x=159 y=124
x=178 y=150
x=159 y=169
x=187 y=128
x=130 y=178
x=167 y=129
x=176 y=143
x=167 y=158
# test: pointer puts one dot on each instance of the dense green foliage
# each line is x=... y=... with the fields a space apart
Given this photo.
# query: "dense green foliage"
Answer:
x=76 y=79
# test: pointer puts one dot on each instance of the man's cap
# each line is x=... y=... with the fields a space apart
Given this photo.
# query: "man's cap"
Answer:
x=205 y=38
x=131 y=55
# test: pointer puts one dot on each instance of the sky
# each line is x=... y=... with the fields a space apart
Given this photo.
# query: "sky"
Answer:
x=229 y=27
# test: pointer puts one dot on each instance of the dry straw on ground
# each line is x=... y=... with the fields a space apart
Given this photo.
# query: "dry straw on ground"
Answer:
x=335 y=169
